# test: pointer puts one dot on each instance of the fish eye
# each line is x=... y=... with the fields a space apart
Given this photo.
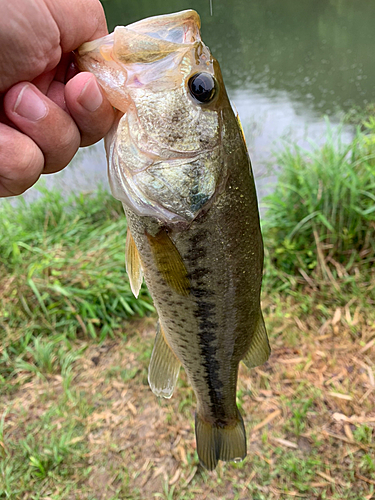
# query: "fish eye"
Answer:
x=202 y=87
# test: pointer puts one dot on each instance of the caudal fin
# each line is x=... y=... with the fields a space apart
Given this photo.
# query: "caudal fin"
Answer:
x=219 y=443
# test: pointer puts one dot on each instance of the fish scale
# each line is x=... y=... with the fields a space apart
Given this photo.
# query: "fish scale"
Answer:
x=193 y=222
x=206 y=309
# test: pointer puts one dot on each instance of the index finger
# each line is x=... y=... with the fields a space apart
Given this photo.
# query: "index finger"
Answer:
x=78 y=21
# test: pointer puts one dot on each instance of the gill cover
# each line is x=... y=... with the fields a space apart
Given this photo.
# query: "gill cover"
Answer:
x=164 y=151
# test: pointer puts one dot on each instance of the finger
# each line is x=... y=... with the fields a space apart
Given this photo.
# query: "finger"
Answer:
x=79 y=21
x=41 y=31
x=62 y=73
x=21 y=161
x=71 y=72
x=63 y=66
x=43 y=81
x=56 y=93
x=29 y=41
x=51 y=128
x=89 y=108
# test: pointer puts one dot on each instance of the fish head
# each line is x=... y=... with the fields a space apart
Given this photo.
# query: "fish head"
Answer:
x=164 y=152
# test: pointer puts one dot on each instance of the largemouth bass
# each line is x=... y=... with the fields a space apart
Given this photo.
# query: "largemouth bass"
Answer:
x=179 y=163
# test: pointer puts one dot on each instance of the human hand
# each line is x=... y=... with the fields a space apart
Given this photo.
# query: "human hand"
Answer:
x=47 y=110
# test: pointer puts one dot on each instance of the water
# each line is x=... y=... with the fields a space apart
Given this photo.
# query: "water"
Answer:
x=286 y=64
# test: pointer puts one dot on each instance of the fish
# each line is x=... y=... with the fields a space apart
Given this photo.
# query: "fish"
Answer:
x=178 y=162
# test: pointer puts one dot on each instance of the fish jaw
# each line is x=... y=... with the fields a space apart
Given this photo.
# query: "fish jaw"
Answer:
x=138 y=54
x=206 y=280
x=164 y=150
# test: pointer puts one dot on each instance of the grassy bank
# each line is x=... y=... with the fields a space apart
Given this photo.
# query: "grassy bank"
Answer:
x=77 y=418
x=320 y=223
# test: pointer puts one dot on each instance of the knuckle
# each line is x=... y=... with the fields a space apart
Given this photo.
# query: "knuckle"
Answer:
x=96 y=127
x=61 y=148
x=21 y=165
x=29 y=168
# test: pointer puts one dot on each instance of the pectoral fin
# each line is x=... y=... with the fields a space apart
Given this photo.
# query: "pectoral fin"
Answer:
x=133 y=264
x=169 y=262
x=164 y=367
x=259 y=349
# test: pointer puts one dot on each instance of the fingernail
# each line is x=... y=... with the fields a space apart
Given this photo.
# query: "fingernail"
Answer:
x=91 y=97
x=29 y=105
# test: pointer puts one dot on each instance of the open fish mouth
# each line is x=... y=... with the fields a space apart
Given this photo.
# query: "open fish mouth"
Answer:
x=147 y=40
x=178 y=161
x=162 y=152
x=143 y=53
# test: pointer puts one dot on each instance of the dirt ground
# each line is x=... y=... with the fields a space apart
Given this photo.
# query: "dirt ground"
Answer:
x=309 y=414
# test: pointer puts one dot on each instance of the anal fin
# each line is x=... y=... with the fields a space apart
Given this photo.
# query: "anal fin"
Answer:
x=133 y=264
x=164 y=367
x=259 y=350
x=216 y=443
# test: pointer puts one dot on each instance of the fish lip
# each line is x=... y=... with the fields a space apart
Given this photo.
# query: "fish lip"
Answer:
x=165 y=27
x=94 y=45
x=190 y=36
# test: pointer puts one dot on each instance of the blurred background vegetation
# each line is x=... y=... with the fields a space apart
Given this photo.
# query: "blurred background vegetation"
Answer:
x=64 y=291
x=77 y=419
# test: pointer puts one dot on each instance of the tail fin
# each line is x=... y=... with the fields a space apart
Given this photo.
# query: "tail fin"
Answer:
x=219 y=443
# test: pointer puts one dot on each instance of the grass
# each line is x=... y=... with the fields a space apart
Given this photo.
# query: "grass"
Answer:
x=62 y=251
x=77 y=418
x=61 y=263
x=308 y=413
x=320 y=222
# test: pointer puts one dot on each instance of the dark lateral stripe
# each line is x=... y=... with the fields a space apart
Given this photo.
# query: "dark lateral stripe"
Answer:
x=200 y=292
x=207 y=340
x=198 y=273
x=205 y=314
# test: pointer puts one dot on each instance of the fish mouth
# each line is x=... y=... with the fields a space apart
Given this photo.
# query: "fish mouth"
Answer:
x=147 y=40
x=144 y=69
x=179 y=27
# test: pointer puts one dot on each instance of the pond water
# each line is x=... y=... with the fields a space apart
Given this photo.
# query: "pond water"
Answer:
x=285 y=63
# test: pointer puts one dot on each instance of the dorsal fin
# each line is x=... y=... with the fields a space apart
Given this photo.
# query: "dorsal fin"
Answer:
x=241 y=127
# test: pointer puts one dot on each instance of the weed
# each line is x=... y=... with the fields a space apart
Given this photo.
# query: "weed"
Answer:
x=64 y=274
x=299 y=409
x=123 y=373
x=367 y=464
x=364 y=434
x=64 y=290
x=301 y=470
x=66 y=259
x=321 y=217
x=41 y=449
x=168 y=492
